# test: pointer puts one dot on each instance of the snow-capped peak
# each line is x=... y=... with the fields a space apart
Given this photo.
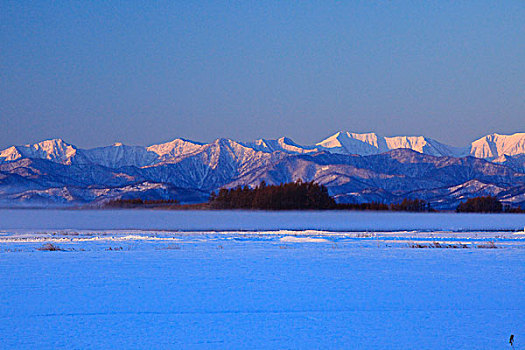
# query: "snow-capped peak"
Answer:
x=175 y=148
x=495 y=145
x=55 y=150
x=489 y=147
x=351 y=143
x=283 y=144
x=119 y=155
x=371 y=143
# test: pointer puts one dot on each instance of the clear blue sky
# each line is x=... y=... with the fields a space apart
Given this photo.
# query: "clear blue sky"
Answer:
x=142 y=72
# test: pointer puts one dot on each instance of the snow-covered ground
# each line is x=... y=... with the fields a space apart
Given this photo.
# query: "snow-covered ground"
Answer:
x=155 y=279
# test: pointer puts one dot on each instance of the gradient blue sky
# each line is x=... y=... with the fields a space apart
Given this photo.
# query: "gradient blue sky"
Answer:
x=142 y=72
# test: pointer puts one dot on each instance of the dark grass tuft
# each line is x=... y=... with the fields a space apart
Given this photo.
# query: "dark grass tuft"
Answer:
x=49 y=247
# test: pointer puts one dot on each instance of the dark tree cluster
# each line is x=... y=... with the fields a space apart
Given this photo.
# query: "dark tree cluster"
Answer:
x=416 y=205
x=488 y=204
x=289 y=196
x=513 y=210
x=363 y=206
x=137 y=203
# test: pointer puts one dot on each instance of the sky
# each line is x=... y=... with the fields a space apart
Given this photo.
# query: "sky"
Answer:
x=144 y=72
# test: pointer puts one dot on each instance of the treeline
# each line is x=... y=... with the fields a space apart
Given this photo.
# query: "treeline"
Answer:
x=513 y=210
x=299 y=195
x=296 y=195
x=486 y=204
x=139 y=203
x=417 y=205
x=363 y=206
x=414 y=205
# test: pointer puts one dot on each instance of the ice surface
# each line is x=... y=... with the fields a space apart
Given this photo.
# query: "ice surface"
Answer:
x=255 y=220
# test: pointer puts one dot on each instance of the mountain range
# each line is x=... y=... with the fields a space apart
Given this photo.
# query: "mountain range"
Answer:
x=354 y=167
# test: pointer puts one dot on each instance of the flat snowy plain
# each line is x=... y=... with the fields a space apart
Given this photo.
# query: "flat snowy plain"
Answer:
x=234 y=279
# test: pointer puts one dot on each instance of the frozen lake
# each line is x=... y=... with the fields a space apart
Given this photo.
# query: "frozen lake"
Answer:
x=254 y=220
x=155 y=279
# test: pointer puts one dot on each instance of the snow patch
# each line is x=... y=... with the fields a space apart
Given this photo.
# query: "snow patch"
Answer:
x=295 y=239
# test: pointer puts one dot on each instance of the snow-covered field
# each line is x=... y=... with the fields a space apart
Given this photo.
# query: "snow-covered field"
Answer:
x=157 y=279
